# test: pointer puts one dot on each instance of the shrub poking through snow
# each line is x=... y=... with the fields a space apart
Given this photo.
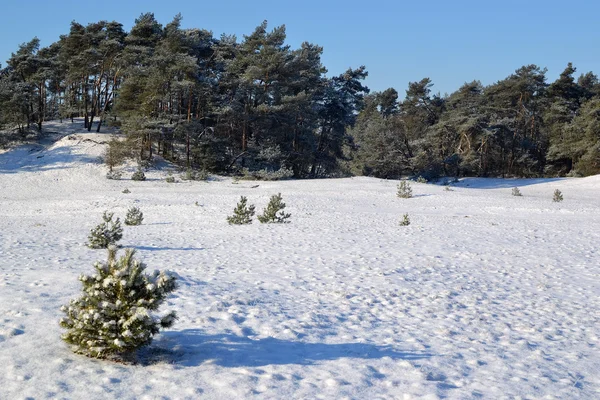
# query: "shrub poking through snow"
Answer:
x=113 y=175
x=404 y=190
x=558 y=197
x=516 y=192
x=191 y=175
x=170 y=179
x=420 y=179
x=107 y=233
x=115 y=315
x=405 y=221
x=242 y=213
x=126 y=191
x=274 y=212
x=134 y=216
x=138 y=175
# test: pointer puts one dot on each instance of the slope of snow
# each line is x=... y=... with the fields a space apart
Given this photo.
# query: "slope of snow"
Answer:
x=484 y=295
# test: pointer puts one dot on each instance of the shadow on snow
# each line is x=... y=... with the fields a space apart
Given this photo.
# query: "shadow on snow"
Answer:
x=194 y=348
x=32 y=158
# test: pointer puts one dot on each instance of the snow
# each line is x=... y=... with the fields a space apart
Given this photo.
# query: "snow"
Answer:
x=484 y=295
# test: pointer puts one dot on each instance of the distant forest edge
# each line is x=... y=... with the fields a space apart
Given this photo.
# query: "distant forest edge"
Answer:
x=227 y=106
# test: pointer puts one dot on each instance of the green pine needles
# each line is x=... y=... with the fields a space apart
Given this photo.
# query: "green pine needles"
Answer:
x=242 y=214
x=134 y=216
x=274 y=213
x=107 y=233
x=115 y=315
x=404 y=190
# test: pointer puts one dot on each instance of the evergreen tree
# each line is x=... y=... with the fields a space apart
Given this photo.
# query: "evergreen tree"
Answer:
x=107 y=233
x=558 y=196
x=242 y=213
x=115 y=315
x=274 y=213
x=134 y=216
x=404 y=190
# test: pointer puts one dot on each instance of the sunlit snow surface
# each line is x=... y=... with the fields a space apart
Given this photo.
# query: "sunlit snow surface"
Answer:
x=484 y=295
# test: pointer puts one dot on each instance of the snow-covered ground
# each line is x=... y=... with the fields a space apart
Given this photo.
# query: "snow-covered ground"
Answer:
x=484 y=295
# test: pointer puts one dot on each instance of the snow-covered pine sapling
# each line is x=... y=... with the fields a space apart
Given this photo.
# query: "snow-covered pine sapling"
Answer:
x=107 y=233
x=138 y=175
x=516 y=192
x=242 y=213
x=134 y=216
x=115 y=315
x=558 y=197
x=405 y=221
x=404 y=190
x=114 y=175
x=274 y=212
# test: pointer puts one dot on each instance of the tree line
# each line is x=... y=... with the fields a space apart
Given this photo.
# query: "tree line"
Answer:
x=227 y=105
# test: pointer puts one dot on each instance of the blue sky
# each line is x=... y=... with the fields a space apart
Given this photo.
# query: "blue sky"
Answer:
x=450 y=41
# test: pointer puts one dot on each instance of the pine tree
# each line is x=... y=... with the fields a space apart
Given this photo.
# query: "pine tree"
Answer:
x=114 y=316
x=405 y=221
x=558 y=197
x=270 y=215
x=242 y=214
x=516 y=192
x=138 y=175
x=404 y=190
x=134 y=216
x=107 y=233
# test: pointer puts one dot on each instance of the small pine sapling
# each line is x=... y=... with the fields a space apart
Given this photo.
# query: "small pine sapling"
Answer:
x=134 y=216
x=115 y=315
x=138 y=175
x=107 y=233
x=113 y=175
x=270 y=214
x=405 y=221
x=242 y=213
x=404 y=190
x=516 y=192
x=558 y=196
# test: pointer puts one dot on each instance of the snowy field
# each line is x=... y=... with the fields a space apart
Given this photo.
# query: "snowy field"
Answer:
x=484 y=295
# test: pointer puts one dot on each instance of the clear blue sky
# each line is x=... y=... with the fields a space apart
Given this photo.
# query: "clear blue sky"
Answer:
x=449 y=41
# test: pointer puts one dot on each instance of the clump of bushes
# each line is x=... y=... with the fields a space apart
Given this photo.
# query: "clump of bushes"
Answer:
x=134 y=216
x=274 y=213
x=242 y=214
x=267 y=175
x=115 y=315
x=192 y=175
x=107 y=233
x=170 y=179
x=404 y=190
